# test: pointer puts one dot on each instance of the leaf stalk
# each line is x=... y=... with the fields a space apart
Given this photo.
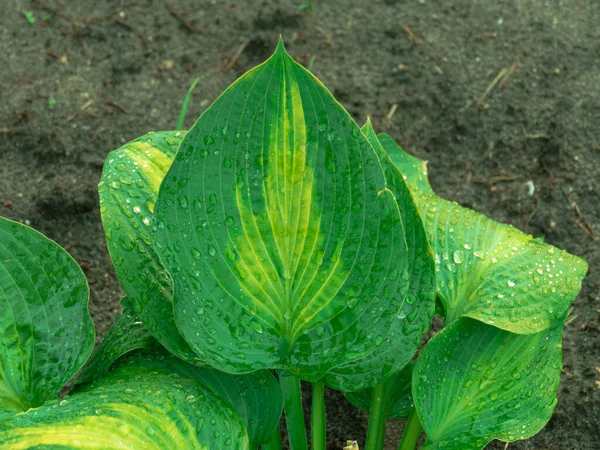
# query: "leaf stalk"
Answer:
x=294 y=414
x=376 y=430
x=317 y=417
x=274 y=443
x=411 y=432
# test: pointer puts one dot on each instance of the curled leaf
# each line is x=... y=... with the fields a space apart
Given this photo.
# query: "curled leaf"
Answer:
x=487 y=270
x=128 y=190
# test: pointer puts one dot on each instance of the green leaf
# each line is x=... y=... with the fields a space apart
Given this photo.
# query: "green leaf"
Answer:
x=398 y=397
x=487 y=270
x=474 y=382
x=286 y=246
x=128 y=190
x=256 y=397
x=390 y=358
x=413 y=169
x=132 y=408
x=46 y=332
x=127 y=334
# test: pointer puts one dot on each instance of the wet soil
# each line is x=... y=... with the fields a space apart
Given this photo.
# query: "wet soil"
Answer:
x=502 y=97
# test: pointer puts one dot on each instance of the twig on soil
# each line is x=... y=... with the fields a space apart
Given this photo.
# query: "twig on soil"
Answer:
x=49 y=8
x=186 y=23
x=85 y=49
x=491 y=86
x=327 y=35
x=570 y=317
x=496 y=179
x=96 y=136
x=7 y=130
x=512 y=69
x=532 y=214
x=411 y=35
x=537 y=136
x=581 y=220
x=392 y=111
x=71 y=244
x=60 y=58
x=500 y=80
x=129 y=27
x=234 y=59
x=81 y=108
x=119 y=107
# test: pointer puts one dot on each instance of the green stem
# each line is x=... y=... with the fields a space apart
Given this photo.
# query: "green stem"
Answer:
x=381 y=435
x=317 y=417
x=181 y=118
x=294 y=414
x=274 y=443
x=376 y=430
x=411 y=432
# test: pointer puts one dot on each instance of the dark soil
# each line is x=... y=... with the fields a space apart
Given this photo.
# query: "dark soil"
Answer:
x=499 y=96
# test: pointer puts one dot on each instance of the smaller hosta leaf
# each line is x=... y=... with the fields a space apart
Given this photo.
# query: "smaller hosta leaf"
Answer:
x=393 y=353
x=474 y=382
x=132 y=408
x=398 y=396
x=490 y=271
x=128 y=333
x=256 y=396
x=128 y=190
x=46 y=332
x=414 y=170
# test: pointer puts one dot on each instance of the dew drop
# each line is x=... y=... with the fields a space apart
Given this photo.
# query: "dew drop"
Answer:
x=256 y=327
x=458 y=256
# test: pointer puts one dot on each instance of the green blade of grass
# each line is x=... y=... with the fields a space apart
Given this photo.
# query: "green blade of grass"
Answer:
x=181 y=118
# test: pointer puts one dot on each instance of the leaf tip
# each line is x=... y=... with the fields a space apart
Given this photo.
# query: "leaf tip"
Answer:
x=280 y=49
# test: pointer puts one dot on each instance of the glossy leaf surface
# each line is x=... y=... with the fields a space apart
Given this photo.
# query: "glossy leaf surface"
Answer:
x=419 y=305
x=398 y=396
x=127 y=334
x=131 y=409
x=286 y=246
x=46 y=332
x=474 y=382
x=128 y=190
x=256 y=397
x=487 y=270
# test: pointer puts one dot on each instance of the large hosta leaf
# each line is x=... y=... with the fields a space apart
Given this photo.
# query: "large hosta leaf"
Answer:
x=46 y=332
x=128 y=190
x=487 y=270
x=285 y=244
x=256 y=397
x=474 y=382
x=127 y=334
x=398 y=396
x=131 y=409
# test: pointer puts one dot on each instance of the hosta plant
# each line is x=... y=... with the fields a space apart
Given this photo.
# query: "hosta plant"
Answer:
x=276 y=242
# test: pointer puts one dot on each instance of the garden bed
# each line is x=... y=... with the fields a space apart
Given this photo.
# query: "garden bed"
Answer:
x=502 y=99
